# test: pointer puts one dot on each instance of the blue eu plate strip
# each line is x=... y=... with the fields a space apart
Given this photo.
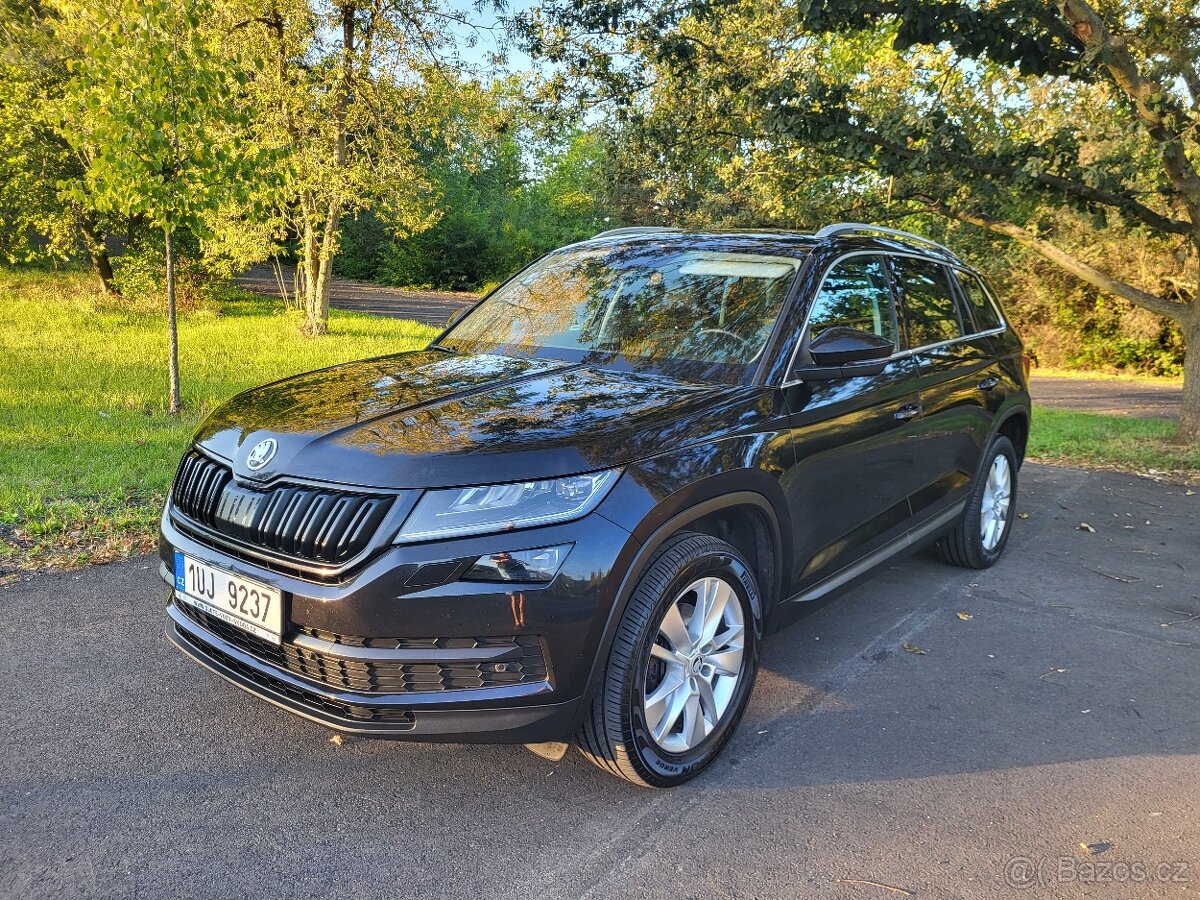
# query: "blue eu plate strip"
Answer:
x=180 y=574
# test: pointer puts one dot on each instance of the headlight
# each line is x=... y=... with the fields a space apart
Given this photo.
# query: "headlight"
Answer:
x=503 y=507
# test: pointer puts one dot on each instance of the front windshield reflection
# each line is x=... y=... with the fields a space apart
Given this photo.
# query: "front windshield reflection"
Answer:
x=689 y=313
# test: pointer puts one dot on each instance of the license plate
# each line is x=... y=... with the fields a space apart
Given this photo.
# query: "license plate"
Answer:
x=239 y=601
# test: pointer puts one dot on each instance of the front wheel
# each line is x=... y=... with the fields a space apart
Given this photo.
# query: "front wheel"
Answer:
x=980 y=535
x=681 y=668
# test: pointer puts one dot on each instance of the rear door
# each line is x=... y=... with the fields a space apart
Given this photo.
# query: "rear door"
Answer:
x=953 y=361
x=855 y=437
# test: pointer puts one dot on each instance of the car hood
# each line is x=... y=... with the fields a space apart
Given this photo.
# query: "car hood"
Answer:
x=430 y=418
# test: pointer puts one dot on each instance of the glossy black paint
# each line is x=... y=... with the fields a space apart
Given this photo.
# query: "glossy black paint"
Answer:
x=815 y=474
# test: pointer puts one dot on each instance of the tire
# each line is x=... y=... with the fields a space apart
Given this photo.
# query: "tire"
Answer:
x=618 y=732
x=968 y=545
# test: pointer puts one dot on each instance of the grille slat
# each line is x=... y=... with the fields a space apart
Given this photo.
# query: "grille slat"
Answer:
x=317 y=525
x=386 y=677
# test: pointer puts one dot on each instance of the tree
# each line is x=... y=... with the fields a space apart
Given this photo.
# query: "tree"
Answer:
x=45 y=208
x=1001 y=115
x=345 y=92
x=151 y=98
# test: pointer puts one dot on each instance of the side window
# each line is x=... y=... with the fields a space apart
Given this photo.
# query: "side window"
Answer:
x=930 y=308
x=982 y=307
x=854 y=295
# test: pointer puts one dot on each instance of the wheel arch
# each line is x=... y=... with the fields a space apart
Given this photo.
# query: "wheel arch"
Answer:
x=743 y=514
x=1014 y=425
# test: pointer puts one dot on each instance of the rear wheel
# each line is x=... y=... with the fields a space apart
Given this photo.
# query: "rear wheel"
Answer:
x=981 y=534
x=681 y=668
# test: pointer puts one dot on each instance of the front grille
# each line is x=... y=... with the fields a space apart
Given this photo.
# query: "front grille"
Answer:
x=524 y=663
x=401 y=718
x=319 y=525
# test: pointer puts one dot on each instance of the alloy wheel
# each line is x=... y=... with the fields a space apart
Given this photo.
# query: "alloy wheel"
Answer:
x=695 y=665
x=997 y=496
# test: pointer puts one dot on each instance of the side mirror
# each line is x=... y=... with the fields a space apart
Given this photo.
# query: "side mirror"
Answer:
x=840 y=346
x=457 y=314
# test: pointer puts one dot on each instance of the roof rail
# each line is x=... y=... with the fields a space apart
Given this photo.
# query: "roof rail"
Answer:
x=864 y=228
x=634 y=229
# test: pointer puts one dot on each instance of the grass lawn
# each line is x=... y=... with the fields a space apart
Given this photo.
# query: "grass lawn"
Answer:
x=1086 y=439
x=87 y=450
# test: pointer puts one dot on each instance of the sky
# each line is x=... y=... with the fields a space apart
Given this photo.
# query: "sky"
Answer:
x=488 y=33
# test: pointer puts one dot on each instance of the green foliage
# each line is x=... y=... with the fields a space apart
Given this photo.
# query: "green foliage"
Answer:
x=87 y=448
x=150 y=106
x=506 y=196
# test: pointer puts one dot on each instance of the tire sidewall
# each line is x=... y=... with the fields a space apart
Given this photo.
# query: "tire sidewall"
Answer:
x=660 y=767
x=982 y=557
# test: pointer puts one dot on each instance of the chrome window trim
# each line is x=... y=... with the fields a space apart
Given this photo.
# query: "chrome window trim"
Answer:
x=1000 y=329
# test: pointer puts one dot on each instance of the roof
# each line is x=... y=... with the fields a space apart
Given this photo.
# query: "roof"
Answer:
x=867 y=235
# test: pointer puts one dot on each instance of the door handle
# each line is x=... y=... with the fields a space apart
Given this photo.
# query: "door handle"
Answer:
x=905 y=413
x=988 y=383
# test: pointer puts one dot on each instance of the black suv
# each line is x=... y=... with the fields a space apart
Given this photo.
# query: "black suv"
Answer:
x=575 y=514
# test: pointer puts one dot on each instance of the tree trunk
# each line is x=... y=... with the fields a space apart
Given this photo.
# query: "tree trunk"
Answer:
x=316 y=309
x=173 y=362
x=319 y=251
x=1189 y=411
x=319 y=315
x=98 y=252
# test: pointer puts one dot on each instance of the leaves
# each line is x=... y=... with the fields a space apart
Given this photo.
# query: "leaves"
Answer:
x=149 y=107
x=912 y=648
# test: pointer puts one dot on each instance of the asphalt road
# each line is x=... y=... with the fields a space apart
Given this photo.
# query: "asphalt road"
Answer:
x=1064 y=711
x=430 y=307
x=1140 y=399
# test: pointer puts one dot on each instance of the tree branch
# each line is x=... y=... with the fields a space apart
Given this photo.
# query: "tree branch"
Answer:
x=1123 y=202
x=1177 y=312
x=1157 y=109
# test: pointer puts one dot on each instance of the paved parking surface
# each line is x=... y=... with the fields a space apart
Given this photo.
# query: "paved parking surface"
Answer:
x=1063 y=711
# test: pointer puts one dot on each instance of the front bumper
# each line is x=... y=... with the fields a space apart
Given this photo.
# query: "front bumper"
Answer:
x=566 y=618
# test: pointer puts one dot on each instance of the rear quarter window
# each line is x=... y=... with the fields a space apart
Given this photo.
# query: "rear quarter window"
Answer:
x=931 y=309
x=983 y=309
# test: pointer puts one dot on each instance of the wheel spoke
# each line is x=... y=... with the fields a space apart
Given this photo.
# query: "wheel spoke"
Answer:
x=705 y=593
x=667 y=655
x=714 y=612
x=693 y=721
x=727 y=662
x=727 y=637
x=708 y=702
x=674 y=629
x=671 y=705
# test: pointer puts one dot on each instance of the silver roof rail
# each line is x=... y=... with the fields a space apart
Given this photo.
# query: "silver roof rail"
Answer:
x=634 y=229
x=864 y=228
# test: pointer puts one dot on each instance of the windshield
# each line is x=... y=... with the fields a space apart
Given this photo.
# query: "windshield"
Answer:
x=687 y=313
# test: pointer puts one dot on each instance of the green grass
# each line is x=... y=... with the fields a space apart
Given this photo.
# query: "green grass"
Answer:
x=87 y=449
x=1119 y=442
